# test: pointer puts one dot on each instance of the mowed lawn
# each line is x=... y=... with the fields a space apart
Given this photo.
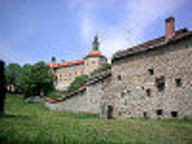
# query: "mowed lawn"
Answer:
x=33 y=123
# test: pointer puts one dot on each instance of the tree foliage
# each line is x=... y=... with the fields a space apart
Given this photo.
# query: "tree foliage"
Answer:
x=103 y=67
x=35 y=79
x=78 y=83
x=12 y=74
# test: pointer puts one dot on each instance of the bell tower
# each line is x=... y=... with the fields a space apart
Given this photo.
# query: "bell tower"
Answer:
x=95 y=43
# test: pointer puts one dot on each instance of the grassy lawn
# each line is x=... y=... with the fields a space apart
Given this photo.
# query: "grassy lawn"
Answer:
x=33 y=123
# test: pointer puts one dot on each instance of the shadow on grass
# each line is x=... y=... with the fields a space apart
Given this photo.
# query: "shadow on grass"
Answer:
x=12 y=116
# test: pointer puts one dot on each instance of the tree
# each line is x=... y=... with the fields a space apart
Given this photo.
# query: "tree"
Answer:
x=36 y=79
x=12 y=75
x=78 y=83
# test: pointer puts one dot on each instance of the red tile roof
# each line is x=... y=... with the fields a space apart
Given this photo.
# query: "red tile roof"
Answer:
x=152 y=44
x=75 y=62
x=53 y=64
x=95 y=53
x=71 y=94
x=64 y=64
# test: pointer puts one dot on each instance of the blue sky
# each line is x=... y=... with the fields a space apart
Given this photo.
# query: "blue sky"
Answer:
x=35 y=30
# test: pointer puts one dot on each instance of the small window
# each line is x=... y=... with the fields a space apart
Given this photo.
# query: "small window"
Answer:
x=145 y=114
x=109 y=111
x=159 y=112
x=148 y=92
x=125 y=103
x=174 y=114
x=128 y=91
x=122 y=94
x=93 y=62
x=151 y=71
x=178 y=82
x=119 y=77
x=160 y=83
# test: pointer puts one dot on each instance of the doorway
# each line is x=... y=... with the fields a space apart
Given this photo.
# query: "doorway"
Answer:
x=109 y=112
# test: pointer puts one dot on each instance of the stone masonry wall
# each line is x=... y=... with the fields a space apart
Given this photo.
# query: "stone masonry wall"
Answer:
x=156 y=84
x=66 y=75
x=87 y=101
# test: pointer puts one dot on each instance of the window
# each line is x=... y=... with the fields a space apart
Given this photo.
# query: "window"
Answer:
x=151 y=71
x=125 y=103
x=128 y=91
x=145 y=114
x=109 y=111
x=93 y=62
x=159 y=112
x=160 y=83
x=122 y=94
x=178 y=82
x=174 y=114
x=148 y=92
x=119 y=77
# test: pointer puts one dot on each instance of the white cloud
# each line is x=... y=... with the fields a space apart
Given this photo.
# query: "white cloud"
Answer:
x=129 y=31
x=86 y=28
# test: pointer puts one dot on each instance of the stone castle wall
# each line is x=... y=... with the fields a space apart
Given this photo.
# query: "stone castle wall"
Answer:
x=66 y=75
x=156 y=84
x=86 y=101
x=93 y=63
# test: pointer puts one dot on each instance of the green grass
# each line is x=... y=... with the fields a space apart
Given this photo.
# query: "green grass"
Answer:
x=34 y=124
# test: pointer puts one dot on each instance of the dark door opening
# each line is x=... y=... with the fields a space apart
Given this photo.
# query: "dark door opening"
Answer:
x=109 y=112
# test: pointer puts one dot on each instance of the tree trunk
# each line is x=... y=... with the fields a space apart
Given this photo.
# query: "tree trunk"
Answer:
x=2 y=87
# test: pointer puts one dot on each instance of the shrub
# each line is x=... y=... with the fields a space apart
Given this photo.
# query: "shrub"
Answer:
x=78 y=83
x=103 y=67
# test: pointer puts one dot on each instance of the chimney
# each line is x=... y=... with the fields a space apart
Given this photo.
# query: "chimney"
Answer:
x=170 y=27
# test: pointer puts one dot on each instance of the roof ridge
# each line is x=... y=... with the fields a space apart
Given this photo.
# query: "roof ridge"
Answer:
x=179 y=34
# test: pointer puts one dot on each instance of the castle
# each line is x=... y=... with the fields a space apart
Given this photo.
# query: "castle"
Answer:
x=153 y=79
x=66 y=72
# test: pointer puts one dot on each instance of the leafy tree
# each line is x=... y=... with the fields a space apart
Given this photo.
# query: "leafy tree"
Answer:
x=78 y=83
x=36 y=79
x=12 y=74
x=102 y=68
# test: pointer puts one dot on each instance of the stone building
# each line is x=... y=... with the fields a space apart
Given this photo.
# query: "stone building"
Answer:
x=86 y=99
x=66 y=72
x=153 y=79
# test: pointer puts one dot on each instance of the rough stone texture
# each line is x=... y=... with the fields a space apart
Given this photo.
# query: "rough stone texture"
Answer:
x=66 y=75
x=133 y=92
x=87 y=101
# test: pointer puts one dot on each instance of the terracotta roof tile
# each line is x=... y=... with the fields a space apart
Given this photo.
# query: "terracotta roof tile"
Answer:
x=64 y=64
x=53 y=64
x=75 y=62
x=95 y=53
x=71 y=94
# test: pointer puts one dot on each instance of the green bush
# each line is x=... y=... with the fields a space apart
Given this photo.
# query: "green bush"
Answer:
x=103 y=67
x=35 y=79
x=78 y=83
x=54 y=94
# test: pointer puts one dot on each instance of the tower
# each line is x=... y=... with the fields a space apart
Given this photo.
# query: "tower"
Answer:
x=95 y=58
x=95 y=43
